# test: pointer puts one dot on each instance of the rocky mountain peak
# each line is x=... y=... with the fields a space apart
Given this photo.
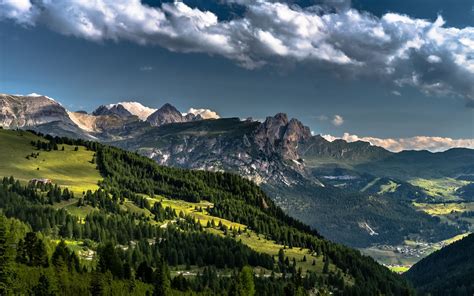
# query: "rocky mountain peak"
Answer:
x=273 y=128
x=117 y=110
x=278 y=135
x=165 y=115
x=30 y=110
x=296 y=131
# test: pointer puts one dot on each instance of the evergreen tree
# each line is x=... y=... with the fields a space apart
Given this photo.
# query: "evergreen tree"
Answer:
x=96 y=287
x=43 y=288
x=162 y=281
x=247 y=281
x=326 y=265
x=4 y=257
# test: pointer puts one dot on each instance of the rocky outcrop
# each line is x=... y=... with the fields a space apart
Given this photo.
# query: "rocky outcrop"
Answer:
x=278 y=135
x=18 y=111
x=117 y=110
x=165 y=115
x=263 y=152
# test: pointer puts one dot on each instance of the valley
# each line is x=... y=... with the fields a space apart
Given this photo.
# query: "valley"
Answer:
x=276 y=245
x=351 y=193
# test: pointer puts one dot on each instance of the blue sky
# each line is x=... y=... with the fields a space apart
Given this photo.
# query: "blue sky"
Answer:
x=242 y=59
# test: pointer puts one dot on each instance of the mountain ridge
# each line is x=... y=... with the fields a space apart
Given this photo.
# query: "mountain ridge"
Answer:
x=284 y=157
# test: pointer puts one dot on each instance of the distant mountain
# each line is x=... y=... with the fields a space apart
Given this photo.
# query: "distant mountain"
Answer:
x=135 y=108
x=31 y=110
x=137 y=220
x=316 y=181
x=293 y=166
x=118 y=110
x=165 y=115
x=422 y=164
x=449 y=271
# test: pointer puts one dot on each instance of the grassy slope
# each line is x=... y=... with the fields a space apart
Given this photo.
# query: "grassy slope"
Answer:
x=441 y=209
x=66 y=168
x=73 y=169
x=256 y=242
x=442 y=188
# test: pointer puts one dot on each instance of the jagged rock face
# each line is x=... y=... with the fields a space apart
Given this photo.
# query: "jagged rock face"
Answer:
x=96 y=123
x=192 y=117
x=254 y=150
x=165 y=115
x=278 y=135
x=118 y=110
x=25 y=111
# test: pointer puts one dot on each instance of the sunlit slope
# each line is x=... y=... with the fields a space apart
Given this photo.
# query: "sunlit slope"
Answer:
x=304 y=258
x=69 y=168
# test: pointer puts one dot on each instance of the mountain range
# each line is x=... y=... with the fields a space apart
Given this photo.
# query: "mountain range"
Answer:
x=353 y=193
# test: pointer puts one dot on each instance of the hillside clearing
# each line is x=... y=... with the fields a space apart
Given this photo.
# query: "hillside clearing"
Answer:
x=68 y=168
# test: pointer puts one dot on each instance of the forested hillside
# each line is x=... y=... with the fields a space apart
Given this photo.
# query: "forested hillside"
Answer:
x=449 y=271
x=153 y=229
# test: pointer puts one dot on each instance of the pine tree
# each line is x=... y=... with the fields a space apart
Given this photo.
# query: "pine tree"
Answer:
x=4 y=257
x=43 y=288
x=326 y=265
x=96 y=287
x=247 y=281
x=162 y=281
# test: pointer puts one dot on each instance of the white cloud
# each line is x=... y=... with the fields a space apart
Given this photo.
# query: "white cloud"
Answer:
x=338 y=120
x=22 y=11
x=396 y=93
x=438 y=60
x=433 y=59
x=146 y=68
x=433 y=144
x=205 y=113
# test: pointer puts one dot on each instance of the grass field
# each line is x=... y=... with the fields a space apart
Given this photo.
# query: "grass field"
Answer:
x=440 y=209
x=455 y=238
x=388 y=188
x=67 y=168
x=443 y=188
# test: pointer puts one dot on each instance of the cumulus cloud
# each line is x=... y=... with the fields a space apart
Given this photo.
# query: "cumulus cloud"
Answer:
x=205 y=113
x=338 y=120
x=436 y=59
x=396 y=93
x=433 y=144
x=22 y=11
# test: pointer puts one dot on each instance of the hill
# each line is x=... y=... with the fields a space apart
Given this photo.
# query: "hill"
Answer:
x=167 y=230
x=310 y=178
x=64 y=165
x=449 y=271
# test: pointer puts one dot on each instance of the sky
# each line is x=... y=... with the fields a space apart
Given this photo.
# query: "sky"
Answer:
x=399 y=74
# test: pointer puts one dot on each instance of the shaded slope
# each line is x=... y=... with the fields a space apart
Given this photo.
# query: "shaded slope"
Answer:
x=449 y=271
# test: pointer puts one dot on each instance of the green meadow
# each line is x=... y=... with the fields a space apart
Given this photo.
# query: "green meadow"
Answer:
x=68 y=168
x=443 y=188
x=76 y=171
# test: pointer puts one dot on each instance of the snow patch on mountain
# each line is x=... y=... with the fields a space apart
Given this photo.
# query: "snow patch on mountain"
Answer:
x=135 y=108
x=32 y=95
